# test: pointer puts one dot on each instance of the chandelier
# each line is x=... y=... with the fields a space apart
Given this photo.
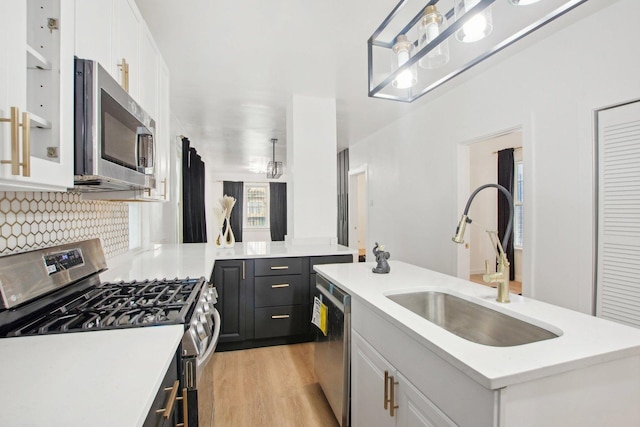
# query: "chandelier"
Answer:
x=425 y=43
x=274 y=169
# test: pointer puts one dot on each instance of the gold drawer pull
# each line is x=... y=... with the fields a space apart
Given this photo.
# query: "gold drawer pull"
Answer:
x=164 y=189
x=185 y=409
x=281 y=285
x=280 y=316
x=14 y=120
x=280 y=267
x=166 y=412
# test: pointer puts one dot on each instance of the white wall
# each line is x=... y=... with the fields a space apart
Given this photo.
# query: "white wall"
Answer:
x=550 y=90
x=312 y=175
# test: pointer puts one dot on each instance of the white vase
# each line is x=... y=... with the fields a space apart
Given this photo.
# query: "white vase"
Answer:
x=229 y=238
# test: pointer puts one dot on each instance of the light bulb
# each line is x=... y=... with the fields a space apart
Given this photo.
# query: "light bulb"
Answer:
x=430 y=27
x=523 y=2
x=409 y=77
x=478 y=26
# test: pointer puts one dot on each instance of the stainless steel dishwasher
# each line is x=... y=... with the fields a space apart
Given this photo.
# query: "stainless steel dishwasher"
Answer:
x=332 y=351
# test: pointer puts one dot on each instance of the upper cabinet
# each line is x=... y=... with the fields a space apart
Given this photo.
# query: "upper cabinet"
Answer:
x=36 y=95
x=114 y=33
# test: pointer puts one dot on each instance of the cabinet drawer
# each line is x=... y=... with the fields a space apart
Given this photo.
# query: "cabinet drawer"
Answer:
x=278 y=290
x=330 y=259
x=279 y=321
x=278 y=266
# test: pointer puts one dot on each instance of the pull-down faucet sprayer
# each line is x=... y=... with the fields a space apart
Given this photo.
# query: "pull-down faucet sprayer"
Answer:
x=501 y=276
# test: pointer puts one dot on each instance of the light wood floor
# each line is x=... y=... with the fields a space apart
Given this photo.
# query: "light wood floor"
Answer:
x=515 y=287
x=269 y=387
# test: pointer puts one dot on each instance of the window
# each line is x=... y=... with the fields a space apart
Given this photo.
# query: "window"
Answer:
x=256 y=205
x=518 y=200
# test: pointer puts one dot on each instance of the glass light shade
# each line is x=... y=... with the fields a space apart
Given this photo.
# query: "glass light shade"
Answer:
x=478 y=26
x=402 y=49
x=430 y=27
x=522 y=2
x=274 y=170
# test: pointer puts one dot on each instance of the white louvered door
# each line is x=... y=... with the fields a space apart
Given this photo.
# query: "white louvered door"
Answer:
x=618 y=278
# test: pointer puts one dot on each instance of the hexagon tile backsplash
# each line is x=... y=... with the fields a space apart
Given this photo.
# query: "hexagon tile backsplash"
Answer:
x=32 y=220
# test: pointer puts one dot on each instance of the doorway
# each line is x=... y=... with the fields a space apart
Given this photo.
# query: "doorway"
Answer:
x=358 y=212
x=482 y=162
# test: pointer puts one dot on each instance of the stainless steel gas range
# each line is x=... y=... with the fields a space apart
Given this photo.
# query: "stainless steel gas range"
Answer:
x=58 y=290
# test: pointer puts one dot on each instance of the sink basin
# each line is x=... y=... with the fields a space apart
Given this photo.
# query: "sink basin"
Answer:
x=471 y=321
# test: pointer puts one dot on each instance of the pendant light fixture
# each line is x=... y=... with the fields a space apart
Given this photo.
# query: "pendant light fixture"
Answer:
x=274 y=169
x=423 y=44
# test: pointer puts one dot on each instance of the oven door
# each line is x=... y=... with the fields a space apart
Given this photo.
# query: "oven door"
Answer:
x=200 y=397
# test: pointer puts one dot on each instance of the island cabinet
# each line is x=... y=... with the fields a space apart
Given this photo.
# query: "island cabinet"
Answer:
x=267 y=301
x=385 y=397
x=422 y=389
x=426 y=387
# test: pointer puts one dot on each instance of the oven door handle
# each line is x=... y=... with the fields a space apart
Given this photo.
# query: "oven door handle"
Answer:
x=213 y=342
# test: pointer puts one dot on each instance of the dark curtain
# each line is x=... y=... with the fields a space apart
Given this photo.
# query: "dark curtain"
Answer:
x=194 y=223
x=235 y=190
x=278 y=210
x=505 y=178
x=343 y=197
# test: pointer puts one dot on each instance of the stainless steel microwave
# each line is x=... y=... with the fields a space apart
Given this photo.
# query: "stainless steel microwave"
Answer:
x=114 y=136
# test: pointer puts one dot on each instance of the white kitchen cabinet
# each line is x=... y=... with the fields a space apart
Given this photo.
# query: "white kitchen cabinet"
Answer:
x=36 y=76
x=109 y=31
x=126 y=45
x=382 y=396
x=94 y=27
x=429 y=391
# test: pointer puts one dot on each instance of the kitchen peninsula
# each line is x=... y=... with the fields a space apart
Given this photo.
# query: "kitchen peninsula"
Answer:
x=589 y=375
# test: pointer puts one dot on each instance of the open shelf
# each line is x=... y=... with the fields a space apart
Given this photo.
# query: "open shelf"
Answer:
x=36 y=60
x=39 y=122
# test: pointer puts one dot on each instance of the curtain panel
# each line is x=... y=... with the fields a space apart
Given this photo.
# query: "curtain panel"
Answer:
x=505 y=178
x=235 y=190
x=194 y=223
x=278 y=210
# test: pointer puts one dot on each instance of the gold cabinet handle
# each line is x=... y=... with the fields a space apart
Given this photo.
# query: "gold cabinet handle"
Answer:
x=166 y=412
x=281 y=285
x=124 y=74
x=185 y=409
x=392 y=396
x=280 y=267
x=15 y=124
x=386 y=390
x=164 y=189
x=26 y=144
x=14 y=120
x=243 y=270
x=280 y=316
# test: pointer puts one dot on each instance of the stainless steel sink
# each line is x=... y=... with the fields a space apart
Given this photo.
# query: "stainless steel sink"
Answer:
x=471 y=321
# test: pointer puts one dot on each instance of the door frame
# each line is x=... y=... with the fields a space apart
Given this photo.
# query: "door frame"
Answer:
x=353 y=203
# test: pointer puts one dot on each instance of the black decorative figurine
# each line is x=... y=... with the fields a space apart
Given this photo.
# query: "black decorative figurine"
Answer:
x=381 y=258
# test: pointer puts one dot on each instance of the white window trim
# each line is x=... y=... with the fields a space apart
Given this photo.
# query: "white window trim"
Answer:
x=516 y=202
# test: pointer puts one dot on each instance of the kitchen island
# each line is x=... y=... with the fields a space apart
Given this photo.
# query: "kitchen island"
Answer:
x=588 y=375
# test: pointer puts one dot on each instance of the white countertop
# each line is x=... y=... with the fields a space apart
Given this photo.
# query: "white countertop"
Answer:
x=197 y=259
x=110 y=378
x=106 y=378
x=584 y=340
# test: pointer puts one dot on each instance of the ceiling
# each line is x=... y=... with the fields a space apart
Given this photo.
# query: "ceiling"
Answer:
x=235 y=64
